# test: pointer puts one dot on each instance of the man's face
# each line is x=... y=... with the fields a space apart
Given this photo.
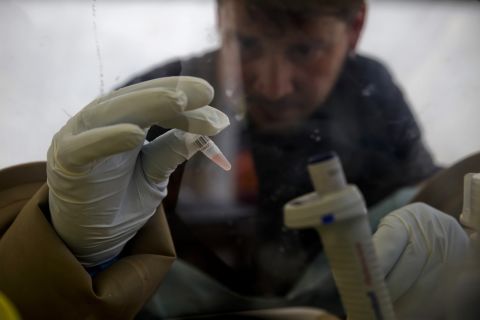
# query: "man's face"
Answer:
x=285 y=73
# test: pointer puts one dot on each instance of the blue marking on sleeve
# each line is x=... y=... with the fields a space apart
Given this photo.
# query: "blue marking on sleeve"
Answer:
x=328 y=219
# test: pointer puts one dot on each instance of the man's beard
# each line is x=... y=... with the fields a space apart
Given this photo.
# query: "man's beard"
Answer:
x=281 y=116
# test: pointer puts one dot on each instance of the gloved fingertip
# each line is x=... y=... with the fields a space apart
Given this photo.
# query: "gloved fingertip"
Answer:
x=206 y=88
x=198 y=91
x=206 y=121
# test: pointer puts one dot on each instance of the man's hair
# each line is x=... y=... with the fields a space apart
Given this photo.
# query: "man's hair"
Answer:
x=300 y=12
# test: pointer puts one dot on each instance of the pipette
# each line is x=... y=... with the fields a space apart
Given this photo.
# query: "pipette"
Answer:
x=338 y=212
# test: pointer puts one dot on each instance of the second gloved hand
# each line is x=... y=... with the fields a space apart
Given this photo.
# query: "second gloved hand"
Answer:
x=417 y=246
x=104 y=181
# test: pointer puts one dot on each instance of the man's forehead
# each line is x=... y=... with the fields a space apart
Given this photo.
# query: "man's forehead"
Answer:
x=240 y=22
x=292 y=12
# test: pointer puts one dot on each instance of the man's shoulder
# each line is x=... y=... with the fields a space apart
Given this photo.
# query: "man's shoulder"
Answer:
x=373 y=81
x=369 y=62
x=369 y=69
x=202 y=66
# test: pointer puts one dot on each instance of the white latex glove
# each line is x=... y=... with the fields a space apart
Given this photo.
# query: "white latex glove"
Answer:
x=105 y=182
x=416 y=247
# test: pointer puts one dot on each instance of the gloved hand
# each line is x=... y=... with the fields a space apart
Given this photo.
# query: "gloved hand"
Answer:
x=416 y=247
x=104 y=181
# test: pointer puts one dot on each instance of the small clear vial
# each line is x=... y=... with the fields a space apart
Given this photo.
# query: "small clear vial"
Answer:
x=211 y=151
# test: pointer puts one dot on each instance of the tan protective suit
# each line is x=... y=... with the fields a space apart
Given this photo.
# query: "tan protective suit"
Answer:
x=42 y=277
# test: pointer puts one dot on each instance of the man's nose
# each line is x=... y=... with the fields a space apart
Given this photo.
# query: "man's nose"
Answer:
x=274 y=78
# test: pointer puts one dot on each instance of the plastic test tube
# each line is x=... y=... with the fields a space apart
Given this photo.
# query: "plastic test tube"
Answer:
x=211 y=151
x=338 y=213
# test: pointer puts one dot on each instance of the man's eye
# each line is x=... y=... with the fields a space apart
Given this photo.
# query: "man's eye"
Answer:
x=247 y=43
x=304 y=51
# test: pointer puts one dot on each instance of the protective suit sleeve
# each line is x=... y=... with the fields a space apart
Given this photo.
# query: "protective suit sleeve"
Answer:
x=44 y=280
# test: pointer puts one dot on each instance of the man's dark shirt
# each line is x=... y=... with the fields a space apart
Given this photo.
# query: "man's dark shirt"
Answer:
x=365 y=120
